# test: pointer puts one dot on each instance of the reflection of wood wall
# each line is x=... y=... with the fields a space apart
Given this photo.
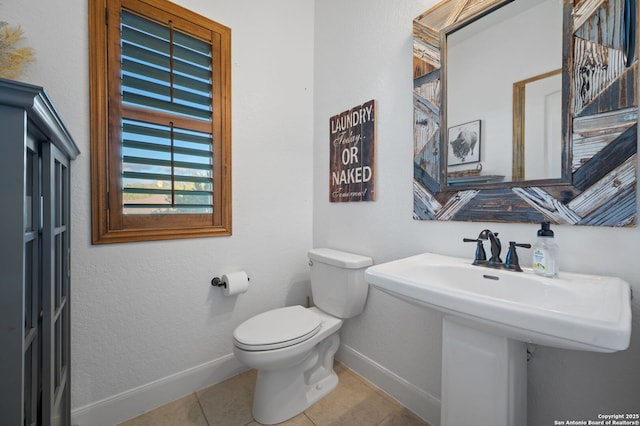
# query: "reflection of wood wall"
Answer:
x=600 y=126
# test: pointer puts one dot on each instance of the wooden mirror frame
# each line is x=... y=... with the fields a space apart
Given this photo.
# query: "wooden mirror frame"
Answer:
x=599 y=124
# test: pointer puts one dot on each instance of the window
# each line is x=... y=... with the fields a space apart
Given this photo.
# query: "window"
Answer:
x=160 y=122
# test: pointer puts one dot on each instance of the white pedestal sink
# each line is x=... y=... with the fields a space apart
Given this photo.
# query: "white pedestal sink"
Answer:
x=490 y=316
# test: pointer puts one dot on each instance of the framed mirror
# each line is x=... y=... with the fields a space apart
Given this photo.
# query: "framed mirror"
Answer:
x=519 y=117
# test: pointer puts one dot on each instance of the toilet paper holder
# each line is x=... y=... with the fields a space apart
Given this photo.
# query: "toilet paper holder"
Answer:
x=217 y=282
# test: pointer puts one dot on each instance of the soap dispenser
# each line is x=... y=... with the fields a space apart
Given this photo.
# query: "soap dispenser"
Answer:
x=545 y=252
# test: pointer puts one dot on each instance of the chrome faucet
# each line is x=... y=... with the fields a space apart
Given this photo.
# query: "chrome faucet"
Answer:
x=496 y=247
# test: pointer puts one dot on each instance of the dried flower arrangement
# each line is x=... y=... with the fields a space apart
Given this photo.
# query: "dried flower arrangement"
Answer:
x=12 y=59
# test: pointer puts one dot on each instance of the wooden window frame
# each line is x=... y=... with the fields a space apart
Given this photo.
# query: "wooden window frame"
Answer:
x=109 y=224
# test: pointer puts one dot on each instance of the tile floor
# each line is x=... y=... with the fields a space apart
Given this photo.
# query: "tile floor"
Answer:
x=355 y=402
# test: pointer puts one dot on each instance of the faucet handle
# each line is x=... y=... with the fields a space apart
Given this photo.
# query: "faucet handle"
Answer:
x=512 y=262
x=481 y=255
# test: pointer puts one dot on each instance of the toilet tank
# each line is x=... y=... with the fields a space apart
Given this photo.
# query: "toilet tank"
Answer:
x=337 y=281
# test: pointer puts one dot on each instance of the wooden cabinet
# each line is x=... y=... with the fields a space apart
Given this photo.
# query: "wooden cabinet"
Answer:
x=35 y=154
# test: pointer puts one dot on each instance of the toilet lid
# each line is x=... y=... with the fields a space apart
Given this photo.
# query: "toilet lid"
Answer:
x=276 y=329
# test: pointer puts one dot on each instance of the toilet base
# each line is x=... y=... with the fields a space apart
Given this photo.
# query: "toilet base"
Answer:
x=285 y=393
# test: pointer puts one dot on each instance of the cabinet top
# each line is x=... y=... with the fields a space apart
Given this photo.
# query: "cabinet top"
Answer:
x=39 y=108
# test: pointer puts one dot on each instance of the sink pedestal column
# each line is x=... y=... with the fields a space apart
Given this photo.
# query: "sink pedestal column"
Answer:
x=484 y=377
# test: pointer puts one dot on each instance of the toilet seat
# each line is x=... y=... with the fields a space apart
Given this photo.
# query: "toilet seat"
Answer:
x=277 y=329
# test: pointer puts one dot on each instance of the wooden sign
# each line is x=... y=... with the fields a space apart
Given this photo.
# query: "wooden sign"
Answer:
x=352 y=155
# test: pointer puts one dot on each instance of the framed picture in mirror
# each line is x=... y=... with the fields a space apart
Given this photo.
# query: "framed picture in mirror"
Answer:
x=464 y=143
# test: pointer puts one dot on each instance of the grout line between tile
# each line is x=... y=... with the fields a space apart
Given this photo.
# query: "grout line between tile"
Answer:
x=204 y=415
x=309 y=418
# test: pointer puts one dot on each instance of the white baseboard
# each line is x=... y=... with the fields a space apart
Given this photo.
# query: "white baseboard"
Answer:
x=132 y=403
x=420 y=402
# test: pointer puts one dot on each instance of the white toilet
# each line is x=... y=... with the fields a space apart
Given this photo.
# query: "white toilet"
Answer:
x=293 y=348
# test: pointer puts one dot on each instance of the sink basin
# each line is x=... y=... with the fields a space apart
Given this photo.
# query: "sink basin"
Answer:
x=490 y=315
x=572 y=311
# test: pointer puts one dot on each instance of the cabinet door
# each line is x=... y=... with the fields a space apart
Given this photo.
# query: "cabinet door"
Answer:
x=32 y=349
x=34 y=259
x=20 y=283
x=55 y=282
